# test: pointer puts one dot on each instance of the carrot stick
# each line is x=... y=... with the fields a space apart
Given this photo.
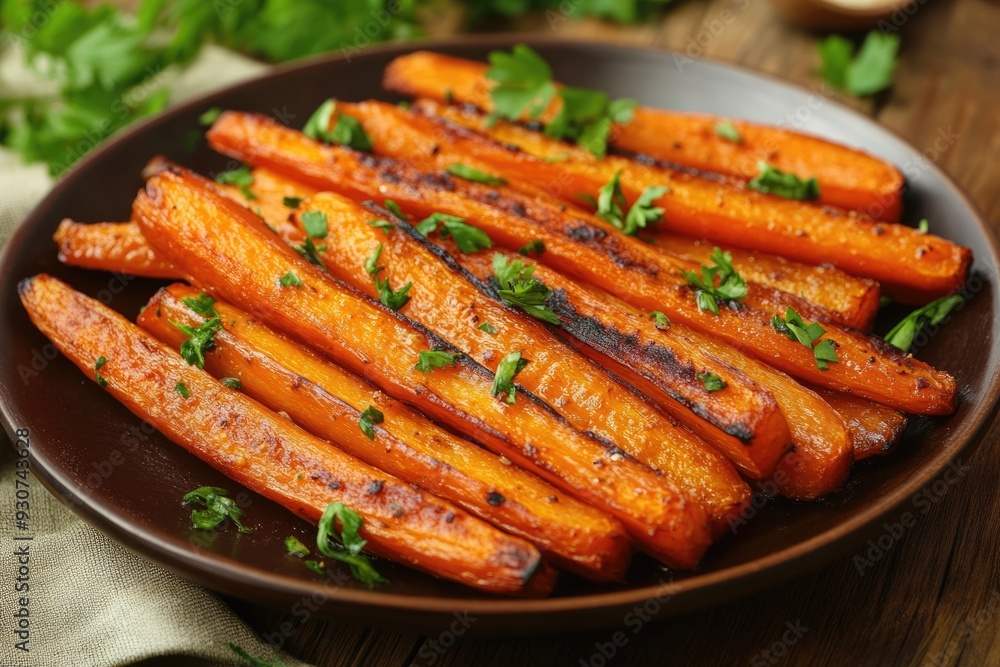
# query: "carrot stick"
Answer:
x=109 y=246
x=868 y=367
x=848 y=178
x=876 y=428
x=328 y=402
x=295 y=469
x=222 y=245
x=910 y=265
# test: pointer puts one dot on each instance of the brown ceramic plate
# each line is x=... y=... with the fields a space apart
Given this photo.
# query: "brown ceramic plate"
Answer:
x=93 y=453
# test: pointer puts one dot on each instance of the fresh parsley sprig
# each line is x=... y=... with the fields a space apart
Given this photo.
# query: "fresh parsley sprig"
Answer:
x=726 y=130
x=867 y=73
x=200 y=339
x=469 y=239
x=503 y=380
x=202 y=304
x=241 y=177
x=251 y=660
x=368 y=419
x=473 y=174
x=346 y=545
x=782 y=184
x=932 y=314
x=346 y=130
x=718 y=281
x=516 y=287
x=711 y=381
x=101 y=382
x=793 y=326
x=611 y=206
x=315 y=223
x=218 y=507
x=428 y=360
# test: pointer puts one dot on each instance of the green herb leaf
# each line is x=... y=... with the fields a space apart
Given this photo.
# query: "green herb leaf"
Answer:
x=291 y=202
x=660 y=321
x=202 y=304
x=711 y=381
x=934 y=313
x=535 y=247
x=776 y=182
x=371 y=264
x=218 y=507
x=503 y=381
x=310 y=251
x=209 y=116
x=611 y=205
x=241 y=177
x=183 y=390
x=517 y=288
x=393 y=208
x=717 y=282
x=793 y=326
x=393 y=300
x=97 y=367
x=428 y=360
x=369 y=418
x=867 y=73
x=346 y=545
x=469 y=239
x=923 y=226
x=728 y=131
x=199 y=340
x=471 y=174
x=294 y=547
x=346 y=131
x=290 y=280
x=251 y=660
x=488 y=328
x=384 y=225
x=315 y=224
x=232 y=383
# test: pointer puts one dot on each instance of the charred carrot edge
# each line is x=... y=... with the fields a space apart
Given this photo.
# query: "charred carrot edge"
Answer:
x=297 y=470
x=108 y=244
x=225 y=246
x=868 y=367
x=328 y=402
x=910 y=265
x=848 y=178
x=588 y=398
x=876 y=428
x=850 y=301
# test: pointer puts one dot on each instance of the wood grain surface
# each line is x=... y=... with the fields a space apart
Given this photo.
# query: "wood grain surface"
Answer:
x=933 y=599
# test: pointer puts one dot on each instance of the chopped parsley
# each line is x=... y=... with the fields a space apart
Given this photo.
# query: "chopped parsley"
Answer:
x=291 y=202
x=503 y=381
x=294 y=547
x=232 y=383
x=315 y=224
x=776 y=182
x=793 y=326
x=346 y=545
x=469 y=239
x=371 y=264
x=932 y=314
x=711 y=381
x=347 y=131
x=251 y=660
x=290 y=280
x=867 y=73
x=472 y=174
x=384 y=225
x=428 y=360
x=199 y=340
x=393 y=208
x=202 y=304
x=524 y=87
x=392 y=299
x=183 y=390
x=488 y=328
x=727 y=131
x=218 y=508
x=209 y=116
x=241 y=177
x=311 y=251
x=730 y=287
x=660 y=321
x=923 y=226
x=368 y=419
x=516 y=287
x=611 y=205
x=97 y=375
x=535 y=247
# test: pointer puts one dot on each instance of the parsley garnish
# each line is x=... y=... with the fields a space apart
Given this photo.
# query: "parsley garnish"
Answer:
x=472 y=174
x=517 y=288
x=368 y=419
x=199 y=340
x=795 y=328
x=315 y=224
x=290 y=280
x=660 y=321
x=711 y=381
x=902 y=334
x=776 y=182
x=347 y=131
x=393 y=208
x=535 y=247
x=241 y=177
x=865 y=74
x=503 y=381
x=232 y=383
x=294 y=547
x=254 y=662
x=730 y=287
x=524 y=86
x=469 y=239
x=371 y=264
x=384 y=225
x=310 y=251
x=488 y=328
x=97 y=367
x=923 y=226
x=209 y=116
x=727 y=131
x=428 y=360
x=611 y=203
x=202 y=304
x=183 y=390
x=291 y=202
x=218 y=507
x=393 y=300
x=346 y=546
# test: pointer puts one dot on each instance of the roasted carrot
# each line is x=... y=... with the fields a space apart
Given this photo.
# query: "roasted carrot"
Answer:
x=109 y=246
x=272 y=456
x=329 y=402
x=223 y=245
x=456 y=305
x=636 y=347
x=910 y=265
x=848 y=178
x=868 y=367
x=876 y=428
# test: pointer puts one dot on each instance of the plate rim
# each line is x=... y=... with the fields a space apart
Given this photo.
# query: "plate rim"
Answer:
x=234 y=577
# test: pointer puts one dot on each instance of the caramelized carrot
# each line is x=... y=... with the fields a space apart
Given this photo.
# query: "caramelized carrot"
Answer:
x=294 y=469
x=454 y=305
x=328 y=402
x=848 y=178
x=876 y=428
x=629 y=343
x=584 y=250
x=225 y=246
x=910 y=265
x=109 y=246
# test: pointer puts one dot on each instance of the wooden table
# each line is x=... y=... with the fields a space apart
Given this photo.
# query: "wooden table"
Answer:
x=935 y=598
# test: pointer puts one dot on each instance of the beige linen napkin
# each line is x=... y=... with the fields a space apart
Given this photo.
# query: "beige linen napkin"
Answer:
x=92 y=603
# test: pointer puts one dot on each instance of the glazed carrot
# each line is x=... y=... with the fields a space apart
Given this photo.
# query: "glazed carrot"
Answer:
x=632 y=345
x=876 y=428
x=583 y=250
x=225 y=246
x=109 y=246
x=848 y=178
x=328 y=402
x=294 y=469
x=455 y=306
x=910 y=265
